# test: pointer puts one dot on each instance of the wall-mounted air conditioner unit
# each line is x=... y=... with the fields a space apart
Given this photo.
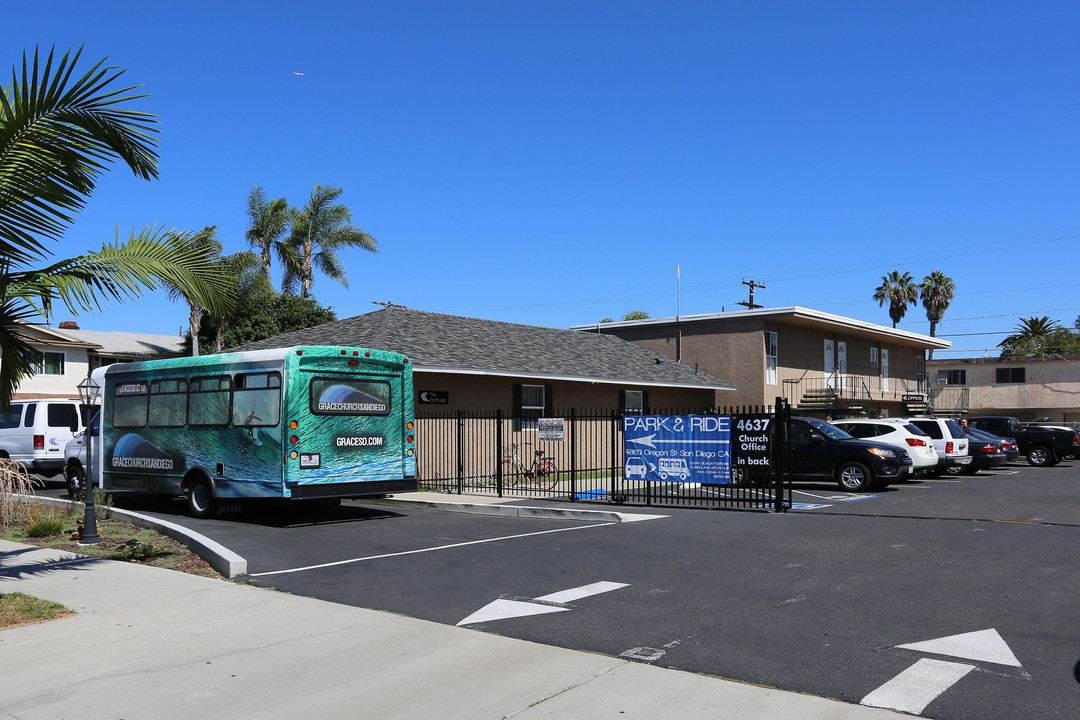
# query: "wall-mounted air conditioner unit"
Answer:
x=943 y=381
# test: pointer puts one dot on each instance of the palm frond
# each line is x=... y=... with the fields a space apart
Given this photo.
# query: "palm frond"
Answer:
x=56 y=139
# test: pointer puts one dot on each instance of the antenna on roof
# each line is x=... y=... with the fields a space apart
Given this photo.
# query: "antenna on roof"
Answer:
x=752 y=285
x=386 y=304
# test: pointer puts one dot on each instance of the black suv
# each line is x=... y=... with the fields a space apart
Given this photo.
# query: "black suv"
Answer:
x=820 y=451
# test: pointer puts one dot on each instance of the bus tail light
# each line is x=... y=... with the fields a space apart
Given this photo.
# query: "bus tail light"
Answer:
x=39 y=442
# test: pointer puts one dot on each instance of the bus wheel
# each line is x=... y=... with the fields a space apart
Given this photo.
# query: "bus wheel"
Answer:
x=200 y=499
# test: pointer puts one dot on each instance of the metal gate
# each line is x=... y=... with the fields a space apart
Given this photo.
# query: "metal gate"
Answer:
x=578 y=456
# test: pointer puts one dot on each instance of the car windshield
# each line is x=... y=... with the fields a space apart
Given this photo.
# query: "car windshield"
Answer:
x=829 y=431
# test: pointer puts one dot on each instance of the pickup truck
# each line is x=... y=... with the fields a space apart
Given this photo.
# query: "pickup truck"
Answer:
x=1042 y=446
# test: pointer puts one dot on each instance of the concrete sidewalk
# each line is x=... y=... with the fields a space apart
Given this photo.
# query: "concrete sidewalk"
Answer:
x=157 y=644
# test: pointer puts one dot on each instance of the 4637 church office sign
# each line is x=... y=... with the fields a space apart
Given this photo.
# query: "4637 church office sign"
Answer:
x=686 y=448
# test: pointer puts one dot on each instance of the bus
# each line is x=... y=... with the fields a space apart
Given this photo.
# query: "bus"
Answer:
x=299 y=423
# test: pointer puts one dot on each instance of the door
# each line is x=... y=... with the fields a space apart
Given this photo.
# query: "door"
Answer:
x=830 y=364
x=841 y=369
x=884 y=370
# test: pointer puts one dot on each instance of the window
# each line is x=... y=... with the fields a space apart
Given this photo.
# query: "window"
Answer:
x=339 y=396
x=875 y=357
x=257 y=400
x=208 y=401
x=50 y=363
x=129 y=404
x=168 y=403
x=12 y=418
x=1011 y=375
x=770 y=358
x=59 y=414
x=632 y=402
x=952 y=377
x=531 y=402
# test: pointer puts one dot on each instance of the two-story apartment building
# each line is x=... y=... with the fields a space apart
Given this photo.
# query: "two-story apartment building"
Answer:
x=1030 y=389
x=821 y=363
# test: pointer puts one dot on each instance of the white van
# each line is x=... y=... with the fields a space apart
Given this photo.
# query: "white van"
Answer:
x=35 y=431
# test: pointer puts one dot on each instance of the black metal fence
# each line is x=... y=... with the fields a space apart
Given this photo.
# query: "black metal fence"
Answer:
x=578 y=456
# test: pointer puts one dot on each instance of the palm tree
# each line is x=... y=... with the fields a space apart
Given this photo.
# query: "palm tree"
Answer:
x=319 y=230
x=1031 y=337
x=936 y=291
x=898 y=291
x=269 y=220
x=207 y=243
x=58 y=132
x=246 y=272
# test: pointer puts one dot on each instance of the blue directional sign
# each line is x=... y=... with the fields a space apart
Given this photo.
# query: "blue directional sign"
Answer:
x=678 y=448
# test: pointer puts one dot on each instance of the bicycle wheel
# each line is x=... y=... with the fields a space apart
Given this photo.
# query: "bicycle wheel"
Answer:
x=546 y=474
x=509 y=473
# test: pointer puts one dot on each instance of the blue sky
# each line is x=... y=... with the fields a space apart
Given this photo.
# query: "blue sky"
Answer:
x=553 y=163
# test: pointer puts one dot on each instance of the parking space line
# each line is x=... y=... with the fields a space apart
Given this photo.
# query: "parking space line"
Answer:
x=425 y=550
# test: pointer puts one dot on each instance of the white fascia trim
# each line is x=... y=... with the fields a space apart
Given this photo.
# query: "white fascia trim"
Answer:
x=793 y=310
x=565 y=378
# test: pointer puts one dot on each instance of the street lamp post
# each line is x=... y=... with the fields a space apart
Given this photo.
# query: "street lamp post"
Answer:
x=88 y=393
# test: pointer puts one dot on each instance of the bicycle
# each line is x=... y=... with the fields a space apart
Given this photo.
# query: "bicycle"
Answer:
x=542 y=472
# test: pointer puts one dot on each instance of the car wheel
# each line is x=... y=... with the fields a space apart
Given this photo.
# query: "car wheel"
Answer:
x=75 y=478
x=854 y=477
x=1040 y=456
x=200 y=499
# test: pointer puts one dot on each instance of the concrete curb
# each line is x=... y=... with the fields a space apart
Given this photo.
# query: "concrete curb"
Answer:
x=221 y=558
x=520 y=511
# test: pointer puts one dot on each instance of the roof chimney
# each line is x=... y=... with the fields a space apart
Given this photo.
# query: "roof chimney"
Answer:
x=69 y=325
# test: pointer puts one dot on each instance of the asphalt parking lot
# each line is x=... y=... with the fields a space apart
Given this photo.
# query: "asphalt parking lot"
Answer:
x=845 y=599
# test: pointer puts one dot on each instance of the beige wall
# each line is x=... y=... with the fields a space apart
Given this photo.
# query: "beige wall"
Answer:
x=482 y=392
x=1051 y=388
x=734 y=350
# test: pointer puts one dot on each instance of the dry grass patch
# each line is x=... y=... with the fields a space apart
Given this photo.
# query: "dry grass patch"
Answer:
x=18 y=609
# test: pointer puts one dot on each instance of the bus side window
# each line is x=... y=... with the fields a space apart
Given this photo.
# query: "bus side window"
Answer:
x=257 y=400
x=129 y=404
x=209 y=401
x=168 y=403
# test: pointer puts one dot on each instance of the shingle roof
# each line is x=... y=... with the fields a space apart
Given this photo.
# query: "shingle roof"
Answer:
x=129 y=343
x=462 y=345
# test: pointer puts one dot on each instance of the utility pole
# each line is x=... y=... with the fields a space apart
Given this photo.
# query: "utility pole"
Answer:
x=751 y=284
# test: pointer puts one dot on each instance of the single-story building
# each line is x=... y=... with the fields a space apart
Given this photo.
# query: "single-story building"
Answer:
x=68 y=353
x=470 y=364
x=483 y=386
x=821 y=363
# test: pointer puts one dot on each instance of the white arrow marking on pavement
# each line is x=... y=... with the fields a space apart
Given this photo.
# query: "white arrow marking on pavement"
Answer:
x=918 y=686
x=567 y=596
x=504 y=609
x=985 y=645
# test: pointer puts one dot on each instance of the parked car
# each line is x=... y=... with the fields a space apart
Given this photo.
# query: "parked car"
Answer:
x=1008 y=445
x=34 y=432
x=985 y=451
x=949 y=439
x=821 y=451
x=1042 y=446
x=919 y=445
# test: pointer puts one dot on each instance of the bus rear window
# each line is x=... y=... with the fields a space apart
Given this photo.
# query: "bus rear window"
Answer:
x=349 y=396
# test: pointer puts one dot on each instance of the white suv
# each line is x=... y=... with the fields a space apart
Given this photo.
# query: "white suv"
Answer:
x=949 y=439
x=34 y=432
x=919 y=445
